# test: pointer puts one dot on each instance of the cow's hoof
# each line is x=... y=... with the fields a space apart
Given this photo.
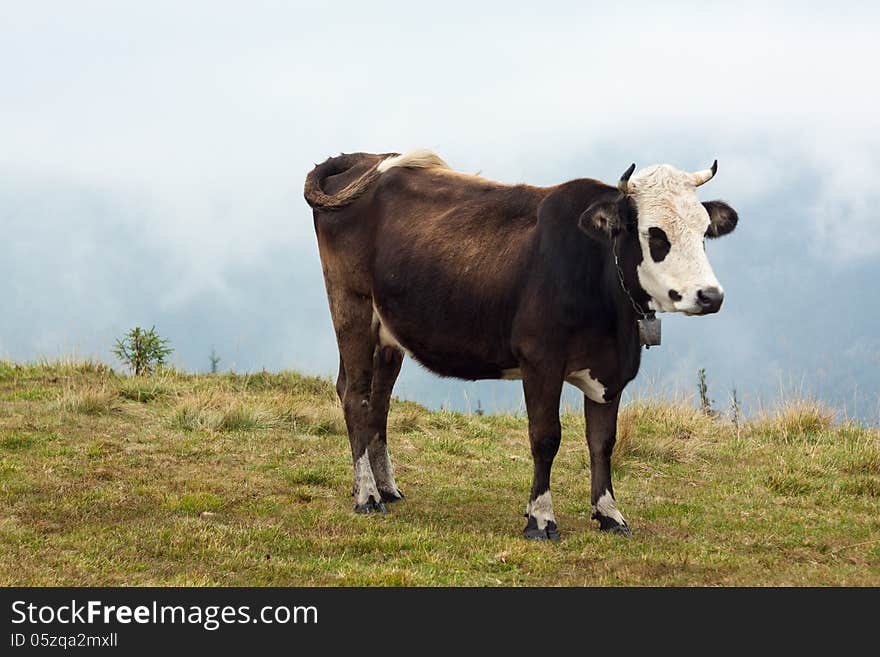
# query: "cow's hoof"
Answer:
x=620 y=530
x=388 y=496
x=370 y=506
x=549 y=533
x=607 y=524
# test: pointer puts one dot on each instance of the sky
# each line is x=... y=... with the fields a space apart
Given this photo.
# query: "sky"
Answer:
x=152 y=157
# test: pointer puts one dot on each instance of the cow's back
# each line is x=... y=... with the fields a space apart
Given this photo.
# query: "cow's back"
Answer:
x=444 y=257
x=450 y=255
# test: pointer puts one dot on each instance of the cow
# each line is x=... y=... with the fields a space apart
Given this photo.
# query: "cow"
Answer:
x=477 y=279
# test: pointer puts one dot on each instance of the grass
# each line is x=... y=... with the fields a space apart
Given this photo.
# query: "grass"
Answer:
x=88 y=401
x=228 y=480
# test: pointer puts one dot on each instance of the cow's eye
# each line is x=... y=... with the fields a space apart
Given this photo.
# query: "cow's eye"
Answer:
x=658 y=243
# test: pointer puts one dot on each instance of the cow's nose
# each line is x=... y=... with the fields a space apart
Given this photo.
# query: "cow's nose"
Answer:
x=709 y=299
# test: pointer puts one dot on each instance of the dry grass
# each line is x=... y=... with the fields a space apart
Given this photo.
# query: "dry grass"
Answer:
x=797 y=420
x=661 y=431
x=319 y=418
x=221 y=411
x=246 y=480
x=408 y=418
x=89 y=401
x=146 y=389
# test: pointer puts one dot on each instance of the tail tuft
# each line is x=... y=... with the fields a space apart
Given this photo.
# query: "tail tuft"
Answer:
x=421 y=158
x=371 y=166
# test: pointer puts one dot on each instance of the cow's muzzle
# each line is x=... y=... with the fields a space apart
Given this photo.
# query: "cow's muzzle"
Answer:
x=709 y=300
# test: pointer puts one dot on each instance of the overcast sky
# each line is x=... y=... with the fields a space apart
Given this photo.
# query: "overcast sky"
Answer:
x=152 y=157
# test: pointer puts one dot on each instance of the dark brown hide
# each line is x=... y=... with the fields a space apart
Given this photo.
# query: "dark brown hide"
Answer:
x=474 y=278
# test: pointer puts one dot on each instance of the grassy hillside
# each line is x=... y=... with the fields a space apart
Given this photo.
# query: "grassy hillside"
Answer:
x=245 y=480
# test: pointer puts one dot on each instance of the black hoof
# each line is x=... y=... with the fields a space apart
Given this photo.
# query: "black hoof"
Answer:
x=392 y=497
x=370 y=506
x=549 y=533
x=607 y=524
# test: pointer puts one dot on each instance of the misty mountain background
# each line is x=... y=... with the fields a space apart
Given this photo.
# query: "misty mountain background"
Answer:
x=153 y=158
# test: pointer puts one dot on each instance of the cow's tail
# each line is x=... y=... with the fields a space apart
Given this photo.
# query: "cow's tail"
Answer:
x=321 y=200
x=314 y=188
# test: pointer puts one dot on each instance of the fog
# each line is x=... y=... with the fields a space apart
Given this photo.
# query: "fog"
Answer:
x=153 y=158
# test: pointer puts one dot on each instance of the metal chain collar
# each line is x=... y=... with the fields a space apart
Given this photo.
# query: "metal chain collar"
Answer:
x=641 y=313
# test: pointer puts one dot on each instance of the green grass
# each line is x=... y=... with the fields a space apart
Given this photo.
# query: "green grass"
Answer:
x=229 y=479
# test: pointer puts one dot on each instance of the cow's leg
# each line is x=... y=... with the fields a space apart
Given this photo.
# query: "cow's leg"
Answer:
x=542 y=387
x=601 y=421
x=352 y=319
x=386 y=367
x=340 y=381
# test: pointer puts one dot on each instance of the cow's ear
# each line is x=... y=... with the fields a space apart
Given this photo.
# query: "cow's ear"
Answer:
x=601 y=220
x=722 y=218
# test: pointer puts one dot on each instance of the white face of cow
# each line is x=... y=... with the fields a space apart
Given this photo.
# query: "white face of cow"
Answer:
x=672 y=227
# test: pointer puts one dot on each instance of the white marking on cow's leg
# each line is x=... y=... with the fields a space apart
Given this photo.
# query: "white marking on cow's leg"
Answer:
x=591 y=387
x=512 y=373
x=541 y=509
x=365 y=482
x=605 y=506
x=383 y=471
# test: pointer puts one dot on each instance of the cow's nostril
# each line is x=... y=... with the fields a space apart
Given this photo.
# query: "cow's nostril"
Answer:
x=674 y=295
x=710 y=299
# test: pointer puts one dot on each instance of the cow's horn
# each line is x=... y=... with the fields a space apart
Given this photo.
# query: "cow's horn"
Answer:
x=623 y=183
x=705 y=175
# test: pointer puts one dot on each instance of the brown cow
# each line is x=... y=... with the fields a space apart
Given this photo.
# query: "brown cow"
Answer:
x=480 y=280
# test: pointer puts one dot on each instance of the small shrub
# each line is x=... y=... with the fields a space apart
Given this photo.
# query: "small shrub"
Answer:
x=215 y=361
x=703 y=389
x=142 y=351
x=735 y=410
